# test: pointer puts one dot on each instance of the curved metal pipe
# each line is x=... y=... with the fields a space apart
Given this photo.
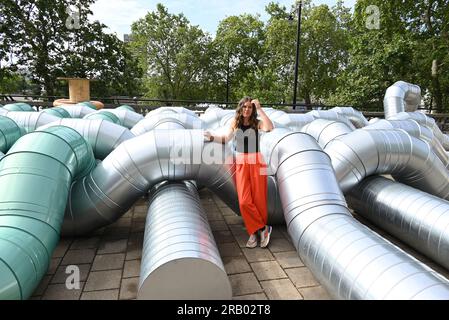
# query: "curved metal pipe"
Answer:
x=175 y=110
x=165 y=120
x=10 y=132
x=348 y=259
x=401 y=96
x=180 y=259
x=77 y=110
x=127 y=107
x=356 y=117
x=103 y=115
x=30 y=121
x=213 y=116
x=88 y=104
x=35 y=179
x=103 y=136
x=58 y=112
x=324 y=131
x=332 y=115
x=417 y=218
x=366 y=152
x=19 y=106
x=127 y=117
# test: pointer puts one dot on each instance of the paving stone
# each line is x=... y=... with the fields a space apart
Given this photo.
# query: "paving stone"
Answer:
x=268 y=270
x=257 y=254
x=140 y=209
x=60 y=292
x=62 y=248
x=235 y=219
x=85 y=243
x=129 y=213
x=302 y=277
x=226 y=211
x=218 y=225
x=61 y=276
x=229 y=249
x=242 y=239
x=282 y=289
x=138 y=226
x=108 y=261
x=214 y=216
x=219 y=202
x=256 y=296
x=288 y=259
x=116 y=233
x=78 y=256
x=235 y=265
x=102 y=280
x=223 y=236
x=54 y=263
x=112 y=246
x=101 y=295
x=135 y=243
x=244 y=283
x=237 y=229
x=314 y=293
x=128 y=289
x=122 y=222
x=132 y=268
x=42 y=286
x=280 y=245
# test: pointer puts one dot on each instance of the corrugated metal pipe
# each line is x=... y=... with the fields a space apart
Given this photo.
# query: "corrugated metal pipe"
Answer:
x=30 y=121
x=180 y=259
x=169 y=121
x=127 y=107
x=127 y=117
x=213 y=115
x=324 y=131
x=35 y=179
x=58 y=112
x=103 y=136
x=77 y=110
x=10 y=133
x=332 y=115
x=361 y=153
x=349 y=260
x=19 y=106
x=356 y=117
x=417 y=218
x=400 y=97
x=103 y=115
x=175 y=110
x=138 y=164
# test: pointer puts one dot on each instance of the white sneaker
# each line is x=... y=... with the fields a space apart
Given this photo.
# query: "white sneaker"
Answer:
x=252 y=241
x=265 y=236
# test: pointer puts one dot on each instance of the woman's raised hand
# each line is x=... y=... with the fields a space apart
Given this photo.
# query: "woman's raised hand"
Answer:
x=208 y=136
x=256 y=103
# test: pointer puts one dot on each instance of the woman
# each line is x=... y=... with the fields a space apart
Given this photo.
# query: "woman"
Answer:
x=251 y=180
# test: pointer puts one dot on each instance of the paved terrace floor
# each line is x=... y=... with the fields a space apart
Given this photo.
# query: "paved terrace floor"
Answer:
x=109 y=260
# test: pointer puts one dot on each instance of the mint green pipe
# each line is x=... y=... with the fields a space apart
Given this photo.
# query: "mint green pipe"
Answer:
x=10 y=132
x=35 y=179
x=58 y=112
x=103 y=115
x=19 y=106
x=88 y=104
x=127 y=107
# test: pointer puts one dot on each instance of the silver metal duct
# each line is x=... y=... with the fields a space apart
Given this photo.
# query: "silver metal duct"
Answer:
x=424 y=120
x=127 y=117
x=356 y=117
x=103 y=136
x=417 y=218
x=213 y=115
x=180 y=259
x=324 y=131
x=366 y=152
x=401 y=96
x=103 y=115
x=165 y=120
x=138 y=164
x=77 y=110
x=175 y=110
x=332 y=115
x=348 y=259
x=30 y=121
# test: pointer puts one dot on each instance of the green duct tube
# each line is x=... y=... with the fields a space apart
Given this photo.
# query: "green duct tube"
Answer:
x=35 y=179
x=10 y=132
x=58 y=112
x=103 y=115
x=88 y=104
x=19 y=106
x=127 y=107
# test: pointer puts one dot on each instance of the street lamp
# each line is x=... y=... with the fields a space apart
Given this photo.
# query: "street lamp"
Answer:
x=298 y=43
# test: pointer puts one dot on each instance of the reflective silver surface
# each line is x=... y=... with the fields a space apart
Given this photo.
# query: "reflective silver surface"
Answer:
x=400 y=97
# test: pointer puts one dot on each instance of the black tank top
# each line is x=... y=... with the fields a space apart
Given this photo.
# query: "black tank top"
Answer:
x=246 y=139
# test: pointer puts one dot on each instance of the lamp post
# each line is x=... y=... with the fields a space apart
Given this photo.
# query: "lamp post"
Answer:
x=298 y=43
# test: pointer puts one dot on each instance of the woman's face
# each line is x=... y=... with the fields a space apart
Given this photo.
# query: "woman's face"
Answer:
x=247 y=109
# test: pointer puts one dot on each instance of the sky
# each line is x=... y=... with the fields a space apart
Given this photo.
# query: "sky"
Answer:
x=119 y=14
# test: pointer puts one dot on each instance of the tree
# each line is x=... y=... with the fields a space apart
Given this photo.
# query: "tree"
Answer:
x=49 y=40
x=173 y=54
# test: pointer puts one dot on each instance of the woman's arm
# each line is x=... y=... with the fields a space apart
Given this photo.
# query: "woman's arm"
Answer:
x=222 y=138
x=266 y=124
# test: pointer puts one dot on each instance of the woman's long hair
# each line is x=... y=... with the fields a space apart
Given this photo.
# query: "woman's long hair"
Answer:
x=253 y=121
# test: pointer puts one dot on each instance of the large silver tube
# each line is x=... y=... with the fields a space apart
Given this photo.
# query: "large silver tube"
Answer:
x=30 y=121
x=77 y=110
x=213 y=115
x=324 y=131
x=103 y=136
x=127 y=117
x=173 y=110
x=165 y=120
x=348 y=259
x=417 y=218
x=356 y=117
x=138 y=164
x=410 y=160
x=401 y=96
x=332 y=115
x=180 y=259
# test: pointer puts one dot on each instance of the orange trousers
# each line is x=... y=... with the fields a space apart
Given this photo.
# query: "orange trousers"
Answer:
x=251 y=183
